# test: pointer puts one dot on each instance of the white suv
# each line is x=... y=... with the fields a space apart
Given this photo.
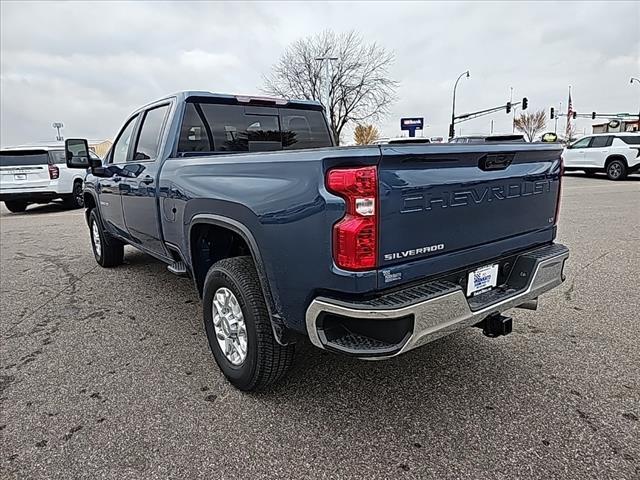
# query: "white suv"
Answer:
x=616 y=154
x=38 y=174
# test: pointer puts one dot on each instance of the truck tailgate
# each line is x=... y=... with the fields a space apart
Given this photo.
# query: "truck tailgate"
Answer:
x=446 y=207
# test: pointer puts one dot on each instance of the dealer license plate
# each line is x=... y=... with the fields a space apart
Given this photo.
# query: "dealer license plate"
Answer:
x=20 y=176
x=482 y=279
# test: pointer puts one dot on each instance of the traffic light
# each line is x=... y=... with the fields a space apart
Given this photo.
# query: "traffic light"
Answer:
x=593 y=115
x=508 y=107
x=575 y=114
x=525 y=103
x=552 y=113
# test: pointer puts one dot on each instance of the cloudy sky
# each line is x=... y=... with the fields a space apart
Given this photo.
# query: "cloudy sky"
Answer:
x=90 y=64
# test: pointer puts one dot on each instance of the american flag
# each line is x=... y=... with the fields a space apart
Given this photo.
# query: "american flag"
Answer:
x=569 y=114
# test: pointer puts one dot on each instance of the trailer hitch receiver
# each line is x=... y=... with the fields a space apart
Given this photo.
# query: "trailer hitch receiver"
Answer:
x=496 y=325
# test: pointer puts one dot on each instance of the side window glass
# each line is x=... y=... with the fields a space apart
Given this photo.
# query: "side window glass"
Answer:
x=584 y=143
x=600 y=142
x=121 y=147
x=149 y=138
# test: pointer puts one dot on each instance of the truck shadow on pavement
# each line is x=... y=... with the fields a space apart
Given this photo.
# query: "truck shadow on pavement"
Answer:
x=464 y=375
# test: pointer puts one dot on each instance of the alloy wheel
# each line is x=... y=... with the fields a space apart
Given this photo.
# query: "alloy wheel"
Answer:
x=229 y=326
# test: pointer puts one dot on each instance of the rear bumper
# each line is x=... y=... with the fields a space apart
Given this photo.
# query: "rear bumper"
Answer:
x=430 y=310
x=33 y=196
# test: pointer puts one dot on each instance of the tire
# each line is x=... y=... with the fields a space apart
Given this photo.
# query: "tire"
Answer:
x=265 y=360
x=16 y=206
x=108 y=251
x=616 y=170
x=76 y=199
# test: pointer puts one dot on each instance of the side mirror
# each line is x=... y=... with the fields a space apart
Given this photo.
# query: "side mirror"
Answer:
x=76 y=152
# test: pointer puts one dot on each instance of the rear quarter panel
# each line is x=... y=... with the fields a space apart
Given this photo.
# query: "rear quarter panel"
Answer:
x=281 y=200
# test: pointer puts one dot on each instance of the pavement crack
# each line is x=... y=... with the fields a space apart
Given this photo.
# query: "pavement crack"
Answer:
x=568 y=294
x=51 y=299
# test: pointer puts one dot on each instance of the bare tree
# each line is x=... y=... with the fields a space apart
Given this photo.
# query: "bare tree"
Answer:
x=365 y=134
x=359 y=85
x=531 y=124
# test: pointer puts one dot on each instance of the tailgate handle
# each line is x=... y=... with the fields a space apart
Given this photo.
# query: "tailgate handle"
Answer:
x=498 y=161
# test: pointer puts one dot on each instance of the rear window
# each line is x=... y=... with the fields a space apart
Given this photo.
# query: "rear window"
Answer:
x=210 y=127
x=505 y=138
x=630 y=139
x=23 y=158
x=410 y=140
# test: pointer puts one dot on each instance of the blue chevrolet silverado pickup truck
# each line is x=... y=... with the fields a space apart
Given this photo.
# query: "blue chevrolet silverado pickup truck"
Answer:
x=368 y=251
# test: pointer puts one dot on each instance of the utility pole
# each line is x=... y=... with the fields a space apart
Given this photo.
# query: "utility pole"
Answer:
x=58 y=126
x=452 y=130
x=513 y=112
x=491 y=127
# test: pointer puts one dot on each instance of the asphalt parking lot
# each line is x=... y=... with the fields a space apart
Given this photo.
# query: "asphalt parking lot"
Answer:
x=107 y=373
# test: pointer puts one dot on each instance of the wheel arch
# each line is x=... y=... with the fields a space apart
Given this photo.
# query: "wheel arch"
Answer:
x=90 y=202
x=232 y=230
x=615 y=156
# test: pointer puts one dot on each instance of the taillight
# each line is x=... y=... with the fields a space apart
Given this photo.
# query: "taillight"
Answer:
x=555 y=221
x=355 y=236
x=54 y=172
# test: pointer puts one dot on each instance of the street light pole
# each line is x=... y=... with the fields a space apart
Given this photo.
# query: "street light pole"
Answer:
x=555 y=129
x=328 y=59
x=453 y=108
x=634 y=79
x=327 y=78
x=58 y=126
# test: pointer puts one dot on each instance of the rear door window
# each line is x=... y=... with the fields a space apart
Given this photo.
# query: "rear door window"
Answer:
x=601 y=142
x=21 y=158
x=149 y=137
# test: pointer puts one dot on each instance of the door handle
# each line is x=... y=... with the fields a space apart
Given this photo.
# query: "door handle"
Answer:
x=147 y=180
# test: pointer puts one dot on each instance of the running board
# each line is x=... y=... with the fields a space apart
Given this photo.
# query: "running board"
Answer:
x=178 y=268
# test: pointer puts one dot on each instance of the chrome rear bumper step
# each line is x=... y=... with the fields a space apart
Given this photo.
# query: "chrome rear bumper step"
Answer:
x=436 y=308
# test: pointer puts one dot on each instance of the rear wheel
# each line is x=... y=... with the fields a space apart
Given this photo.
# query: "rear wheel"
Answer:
x=108 y=251
x=76 y=199
x=16 y=206
x=239 y=328
x=616 y=170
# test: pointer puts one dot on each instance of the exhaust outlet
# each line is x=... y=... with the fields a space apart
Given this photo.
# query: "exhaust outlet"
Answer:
x=529 y=305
